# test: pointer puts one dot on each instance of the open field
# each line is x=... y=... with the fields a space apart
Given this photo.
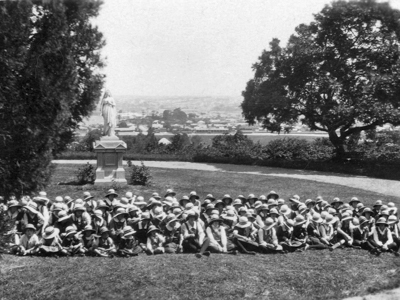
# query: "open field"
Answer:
x=307 y=275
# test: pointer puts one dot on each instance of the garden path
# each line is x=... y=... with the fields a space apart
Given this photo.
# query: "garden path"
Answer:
x=382 y=186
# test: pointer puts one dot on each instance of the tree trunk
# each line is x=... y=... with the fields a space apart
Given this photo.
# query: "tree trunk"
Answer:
x=338 y=143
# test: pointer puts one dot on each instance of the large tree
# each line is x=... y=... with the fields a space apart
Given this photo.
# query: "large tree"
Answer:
x=49 y=81
x=339 y=74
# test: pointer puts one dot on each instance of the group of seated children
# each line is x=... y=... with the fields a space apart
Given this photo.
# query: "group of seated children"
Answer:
x=130 y=225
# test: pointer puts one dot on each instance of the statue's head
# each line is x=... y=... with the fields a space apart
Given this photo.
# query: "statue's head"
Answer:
x=107 y=93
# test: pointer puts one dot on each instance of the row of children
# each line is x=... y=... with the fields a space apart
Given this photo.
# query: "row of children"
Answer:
x=130 y=225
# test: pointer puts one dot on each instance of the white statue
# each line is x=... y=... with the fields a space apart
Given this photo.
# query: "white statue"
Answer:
x=109 y=113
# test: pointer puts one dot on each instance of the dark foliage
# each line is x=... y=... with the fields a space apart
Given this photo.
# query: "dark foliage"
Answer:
x=139 y=175
x=49 y=81
x=86 y=174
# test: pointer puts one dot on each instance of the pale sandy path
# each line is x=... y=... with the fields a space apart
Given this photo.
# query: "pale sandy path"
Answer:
x=384 y=295
x=382 y=186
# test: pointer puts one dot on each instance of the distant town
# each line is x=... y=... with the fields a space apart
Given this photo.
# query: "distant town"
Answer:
x=192 y=115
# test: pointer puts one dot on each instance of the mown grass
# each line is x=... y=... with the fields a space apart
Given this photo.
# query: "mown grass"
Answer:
x=307 y=275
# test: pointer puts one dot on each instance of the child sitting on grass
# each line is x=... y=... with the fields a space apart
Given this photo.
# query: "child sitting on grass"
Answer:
x=29 y=241
x=89 y=240
x=50 y=245
x=105 y=246
x=128 y=245
x=71 y=243
x=155 y=241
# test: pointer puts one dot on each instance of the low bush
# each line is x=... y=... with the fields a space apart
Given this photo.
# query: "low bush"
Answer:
x=139 y=175
x=86 y=174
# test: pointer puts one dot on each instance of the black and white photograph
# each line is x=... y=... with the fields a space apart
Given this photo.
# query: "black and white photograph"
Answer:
x=213 y=149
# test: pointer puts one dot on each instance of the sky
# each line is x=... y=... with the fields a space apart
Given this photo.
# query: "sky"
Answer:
x=193 y=47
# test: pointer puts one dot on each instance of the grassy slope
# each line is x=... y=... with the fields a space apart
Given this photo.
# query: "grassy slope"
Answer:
x=309 y=275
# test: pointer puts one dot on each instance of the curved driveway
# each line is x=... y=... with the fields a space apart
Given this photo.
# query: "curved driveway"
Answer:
x=382 y=186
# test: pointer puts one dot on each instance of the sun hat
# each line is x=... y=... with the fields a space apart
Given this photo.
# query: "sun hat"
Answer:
x=62 y=216
x=355 y=221
x=210 y=196
x=168 y=201
x=281 y=201
x=384 y=207
x=87 y=196
x=215 y=211
x=101 y=204
x=241 y=197
x=384 y=212
x=194 y=195
x=206 y=202
x=210 y=207
x=263 y=207
x=132 y=208
x=30 y=226
x=111 y=192
x=43 y=197
x=158 y=212
x=129 y=195
x=189 y=206
x=104 y=229
x=319 y=199
x=177 y=211
x=98 y=213
x=336 y=200
x=257 y=204
x=273 y=211
x=127 y=231
x=354 y=199
x=153 y=202
x=79 y=202
x=345 y=207
x=139 y=201
x=346 y=216
x=329 y=219
x=230 y=215
x=303 y=210
x=169 y=192
x=156 y=196
x=170 y=218
x=152 y=228
x=362 y=220
x=227 y=196
x=325 y=205
x=58 y=206
x=214 y=218
x=332 y=211
x=192 y=213
x=242 y=208
x=251 y=196
x=50 y=232
x=237 y=202
x=145 y=216
x=392 y=220
x=89 y=228
x=271 y=203
x=324 y=214
x=243 y=222
x=68 y=200
x=272 y=194
x=381 y=221
x=299 y=220
x=378 y=203
x=360 y=206
x=79 y=208
x=262 y=198
x=32 y=206
x=13 y=203
x=268 y=223
x=309 y=201
x=70 y=230
x=294 y=200
x=316 y=218
x=119 y=211
x=285 y=210
x=184 y=198
x=219 y=202
x=250 y=215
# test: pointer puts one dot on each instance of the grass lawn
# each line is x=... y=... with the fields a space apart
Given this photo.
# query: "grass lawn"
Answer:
x=307 y=275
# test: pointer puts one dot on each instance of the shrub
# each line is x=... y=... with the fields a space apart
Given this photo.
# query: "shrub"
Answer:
x=140 y=175
x=86 y=174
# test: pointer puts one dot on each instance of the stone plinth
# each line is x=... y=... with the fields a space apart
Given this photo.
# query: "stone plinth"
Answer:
x=110 y=151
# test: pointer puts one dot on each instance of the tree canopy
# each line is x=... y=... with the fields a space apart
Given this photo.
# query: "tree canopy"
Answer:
x=49 y=81
x=339 y=74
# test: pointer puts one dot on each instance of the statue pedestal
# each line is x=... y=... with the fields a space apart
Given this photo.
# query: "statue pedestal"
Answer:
x=110 y=150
